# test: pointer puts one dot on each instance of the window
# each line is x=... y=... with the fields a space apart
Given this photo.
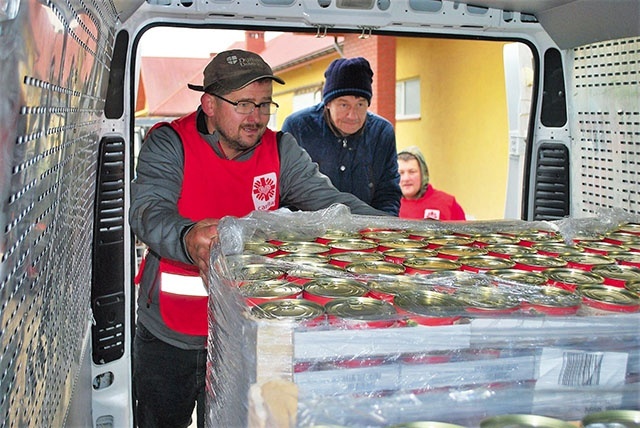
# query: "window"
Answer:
x=408 y=99
x=306 y=98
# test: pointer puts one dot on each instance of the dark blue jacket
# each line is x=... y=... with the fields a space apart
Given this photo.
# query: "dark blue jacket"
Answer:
x=364 y=164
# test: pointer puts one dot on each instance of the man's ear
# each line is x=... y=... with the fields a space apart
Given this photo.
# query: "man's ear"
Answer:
x=208 y=104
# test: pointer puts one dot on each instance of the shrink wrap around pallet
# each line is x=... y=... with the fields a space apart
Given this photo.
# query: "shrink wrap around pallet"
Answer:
x=297 y=372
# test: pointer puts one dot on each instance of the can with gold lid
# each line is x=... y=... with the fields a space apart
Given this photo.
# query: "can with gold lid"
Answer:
x=620 y=418
x=303 y=247
x=442 y=240
x=344 y=259
x=622 y=238
x=524 y=421
x=602 y=247
x=400 y=243
x=629 y=258
x=487 y=239
x=484 y=263
x=375 y=267
x=519 y=275
x=633 y=286
x=555 y=249
x=299 y=310
x=344 y=245
x=572 y=278
x=537 y=262
x=488 y=300
x=399 y=255
x=383 y=234
x=428 y=307
x=305 y=273
x=360 y=312
x=260 y=248
x=617 y=275
x=454 y=252
x=259 y=272
x=334 y=235
x=300 y=258
x=426 y=265
x=323 y=290
x=587 y=261
x=257 y=292
x=531 y=238
x=629 y=228
x=506 y=251
x=425 y=235
x=606 y=300
x=387 y=289
x=551 y=301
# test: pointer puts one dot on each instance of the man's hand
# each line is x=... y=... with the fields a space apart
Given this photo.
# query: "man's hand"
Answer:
x=198 y=243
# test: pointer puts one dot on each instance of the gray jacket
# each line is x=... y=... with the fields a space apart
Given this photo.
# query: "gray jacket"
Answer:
x=155 y=220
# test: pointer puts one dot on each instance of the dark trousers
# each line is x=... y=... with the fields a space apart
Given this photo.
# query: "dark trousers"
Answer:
x=167 y=382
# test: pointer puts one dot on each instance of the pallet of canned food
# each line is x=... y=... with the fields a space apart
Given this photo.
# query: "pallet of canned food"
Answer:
x=333 y=319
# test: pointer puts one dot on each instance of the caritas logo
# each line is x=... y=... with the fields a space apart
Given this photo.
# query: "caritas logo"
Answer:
x=264 y=191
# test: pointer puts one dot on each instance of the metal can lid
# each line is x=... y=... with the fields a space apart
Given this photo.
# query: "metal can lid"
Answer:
x=619 y=272
x=623 y=237
x=259 y=271
x=303 y=247
x=510 y=249
x=300 y=258
x=332 y=235
x=271 y=288
x=614 y=296
x=633 y=286
x=259 y=248
x=486 y=262
x=524 y=421
x=357 y=256
x=574 y=276
x=539 y=260
x=601 y=246
x=431 y=263
x=629 y=228
x=627 y=256
x=618 y=418
x=360 y=308
x=352 y=244
x=495 y=239
x=558 y=248
x=375 y=267
x=450 y=240
x=293 y=309
x=313 y=271
x=336 y=287
x=540 y=236
x=517 y=275
x=405 y=253
x=554 y=297
x=429 y=303
x=402 y=243
x=398 y=285
x=488 y=298
x=589 y=259
x=461 y=250
x=384 y=234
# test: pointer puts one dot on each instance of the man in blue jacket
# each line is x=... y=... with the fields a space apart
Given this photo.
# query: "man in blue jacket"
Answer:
x=355 y=148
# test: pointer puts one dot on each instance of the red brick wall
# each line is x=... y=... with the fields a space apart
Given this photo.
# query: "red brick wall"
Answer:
x=381 y=53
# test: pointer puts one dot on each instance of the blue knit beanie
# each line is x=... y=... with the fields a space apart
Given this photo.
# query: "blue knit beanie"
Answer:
x=348 y=76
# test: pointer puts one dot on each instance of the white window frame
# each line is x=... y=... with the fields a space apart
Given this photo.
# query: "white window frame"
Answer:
x=401 y=99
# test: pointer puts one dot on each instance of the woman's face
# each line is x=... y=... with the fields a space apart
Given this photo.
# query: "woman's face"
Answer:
x=410 y=178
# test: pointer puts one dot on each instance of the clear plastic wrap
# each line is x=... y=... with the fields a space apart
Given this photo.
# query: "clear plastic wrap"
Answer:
x=502 y=346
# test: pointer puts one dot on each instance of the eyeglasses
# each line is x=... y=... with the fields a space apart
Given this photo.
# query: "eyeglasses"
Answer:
x=247 y=107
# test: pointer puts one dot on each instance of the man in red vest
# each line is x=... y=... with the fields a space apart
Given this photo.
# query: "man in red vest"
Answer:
x=217 y=161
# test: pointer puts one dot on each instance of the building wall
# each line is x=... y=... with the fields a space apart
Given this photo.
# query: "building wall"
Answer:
x=463 y=127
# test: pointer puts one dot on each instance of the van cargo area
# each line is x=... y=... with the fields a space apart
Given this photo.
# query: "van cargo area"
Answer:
x=555 y=144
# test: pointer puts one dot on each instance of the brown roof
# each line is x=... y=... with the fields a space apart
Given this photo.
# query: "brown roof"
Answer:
x=163 y=81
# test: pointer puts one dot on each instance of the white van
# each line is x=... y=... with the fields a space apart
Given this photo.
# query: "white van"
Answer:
x=69 y=73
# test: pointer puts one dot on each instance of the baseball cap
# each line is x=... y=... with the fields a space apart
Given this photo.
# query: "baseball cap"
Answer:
x=231 y=70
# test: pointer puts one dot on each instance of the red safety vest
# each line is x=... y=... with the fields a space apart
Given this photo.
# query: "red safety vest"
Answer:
x=212 y=187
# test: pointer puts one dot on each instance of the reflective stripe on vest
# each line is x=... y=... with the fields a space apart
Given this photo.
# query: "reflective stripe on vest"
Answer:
x=182 y=284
